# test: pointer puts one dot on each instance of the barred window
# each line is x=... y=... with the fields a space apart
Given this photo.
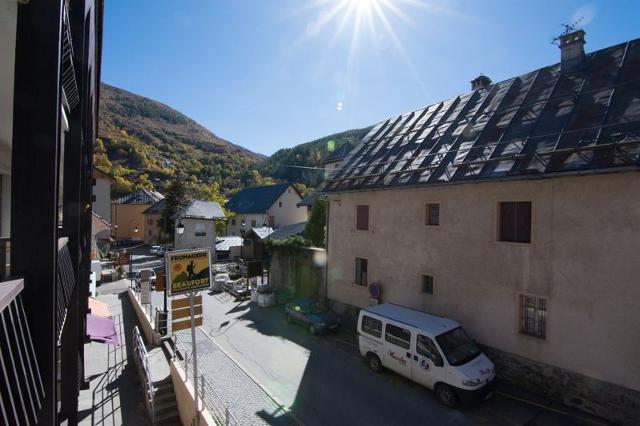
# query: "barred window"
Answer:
x=433 y=214
x=533 y=316
x=371 y=326
x=361 y=271
x=397 y=335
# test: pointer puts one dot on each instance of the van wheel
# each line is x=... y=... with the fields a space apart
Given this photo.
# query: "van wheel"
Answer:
x=446 y=395
x=374 y=363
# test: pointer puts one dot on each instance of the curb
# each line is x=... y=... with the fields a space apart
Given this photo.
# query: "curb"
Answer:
x=283 y=407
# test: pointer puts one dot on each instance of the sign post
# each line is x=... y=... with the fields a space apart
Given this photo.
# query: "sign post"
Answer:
x=188 y=272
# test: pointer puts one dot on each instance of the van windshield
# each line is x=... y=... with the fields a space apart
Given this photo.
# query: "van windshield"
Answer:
x=457 y=346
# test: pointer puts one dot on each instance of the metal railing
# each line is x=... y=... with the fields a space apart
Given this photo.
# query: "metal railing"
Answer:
x=66 y=283
x=210 y=398
x=21 y=389
x=141 y=359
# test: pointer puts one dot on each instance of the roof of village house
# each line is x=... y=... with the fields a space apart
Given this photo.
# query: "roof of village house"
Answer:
x=256 y=199
x=309 y=199
x=141 y=196
x=156 y=208
x=198 y=209
x=545 y=123
x=339 y=153
x=262 y=232
x=225 y=243
x=288 y=231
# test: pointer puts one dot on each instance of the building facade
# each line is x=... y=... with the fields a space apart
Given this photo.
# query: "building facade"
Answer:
x=127 y=214
x=273 y=206
x=50 y=52
x=153 y=224
x=195 y=226
x=513 y=210
x=101 y=203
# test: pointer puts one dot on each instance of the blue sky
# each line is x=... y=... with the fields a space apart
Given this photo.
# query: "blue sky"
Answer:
x=271 y=74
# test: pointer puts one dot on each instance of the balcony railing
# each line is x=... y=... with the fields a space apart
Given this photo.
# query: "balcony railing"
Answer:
x=21 y=389
x=66 y=283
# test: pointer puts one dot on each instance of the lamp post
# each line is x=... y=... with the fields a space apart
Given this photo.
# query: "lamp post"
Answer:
x=180 y=228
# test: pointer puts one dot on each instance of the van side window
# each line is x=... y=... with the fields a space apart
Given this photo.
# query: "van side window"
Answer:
x=398 y=336
x=425 y=347
x=372 y=326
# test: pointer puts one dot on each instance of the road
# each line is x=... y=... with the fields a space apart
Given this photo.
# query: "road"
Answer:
x=323 y=380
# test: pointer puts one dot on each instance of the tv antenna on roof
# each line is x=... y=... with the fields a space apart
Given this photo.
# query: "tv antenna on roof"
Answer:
x=567 y=28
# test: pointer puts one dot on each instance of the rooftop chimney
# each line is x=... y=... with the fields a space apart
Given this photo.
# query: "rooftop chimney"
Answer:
x=480 y=82
x=571 y=50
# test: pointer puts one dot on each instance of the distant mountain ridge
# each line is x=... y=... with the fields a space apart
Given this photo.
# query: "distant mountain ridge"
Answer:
x=143 y=143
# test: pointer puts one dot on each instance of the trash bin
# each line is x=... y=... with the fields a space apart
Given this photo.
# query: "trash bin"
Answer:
x=161 y=321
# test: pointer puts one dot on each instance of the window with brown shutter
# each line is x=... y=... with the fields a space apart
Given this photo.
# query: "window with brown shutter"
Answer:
x=515 y=221
x=362 y=218
x=361 y=271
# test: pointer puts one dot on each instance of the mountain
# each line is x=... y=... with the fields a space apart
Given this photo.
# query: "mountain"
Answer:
x=143 y=142
x=306 y=158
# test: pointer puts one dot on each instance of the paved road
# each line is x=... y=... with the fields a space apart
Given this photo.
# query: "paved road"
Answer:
x=323 y=379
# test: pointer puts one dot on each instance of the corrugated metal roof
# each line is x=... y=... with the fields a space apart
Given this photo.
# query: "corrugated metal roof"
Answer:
x=543 y=123
x=225 y=243
x=198 y=209
x=142 y=196
x=257 y=199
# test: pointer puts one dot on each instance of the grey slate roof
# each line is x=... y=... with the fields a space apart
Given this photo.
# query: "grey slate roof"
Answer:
x=198 y=209
x=288 y=231
x=309 y=199
x=141 y=196
x=541 y=124
x=257 y=199
x=225 y=243
x=156 y=208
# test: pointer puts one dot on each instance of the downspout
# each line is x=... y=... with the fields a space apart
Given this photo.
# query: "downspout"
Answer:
x=326 y=248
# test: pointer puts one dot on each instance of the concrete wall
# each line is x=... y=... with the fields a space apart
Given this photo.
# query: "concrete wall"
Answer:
x=582 y=259
x=301 y=273
x=189 y=239
x=184 y=398
x=127 y=217
x=259 y=218
x=288 y=213
x=102 y=204
x=153 y=232
x=147 y=326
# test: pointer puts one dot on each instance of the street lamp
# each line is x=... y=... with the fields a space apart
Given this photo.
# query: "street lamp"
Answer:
x=135 y=230
x=180 y=228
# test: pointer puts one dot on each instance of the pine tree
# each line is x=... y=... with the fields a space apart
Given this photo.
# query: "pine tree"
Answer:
x=176 y=197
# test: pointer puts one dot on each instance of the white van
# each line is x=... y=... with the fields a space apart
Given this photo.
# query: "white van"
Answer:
x=433 y=351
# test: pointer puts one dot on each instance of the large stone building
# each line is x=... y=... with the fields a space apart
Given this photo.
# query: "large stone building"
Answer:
x=270 y=206
x=514 y=210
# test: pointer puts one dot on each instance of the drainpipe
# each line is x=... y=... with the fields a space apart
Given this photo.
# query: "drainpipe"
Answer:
x=326 y=248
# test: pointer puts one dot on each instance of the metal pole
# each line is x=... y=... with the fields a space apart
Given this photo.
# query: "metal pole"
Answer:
x=195 y=358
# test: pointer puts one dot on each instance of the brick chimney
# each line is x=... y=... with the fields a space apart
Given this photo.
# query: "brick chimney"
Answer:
x=480 y=82
x=572 y=50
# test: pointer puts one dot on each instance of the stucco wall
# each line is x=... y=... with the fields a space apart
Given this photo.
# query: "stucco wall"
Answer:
x=232 y=229
x=102 y=204
x=189 y=239
x=289 y=213
x=152 y=234
x=582 y=258
x=127 y=217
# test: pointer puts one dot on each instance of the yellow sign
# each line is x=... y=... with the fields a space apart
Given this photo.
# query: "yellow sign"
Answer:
x=188 y=270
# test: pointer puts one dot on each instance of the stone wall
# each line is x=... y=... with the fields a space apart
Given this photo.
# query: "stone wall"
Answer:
x=607 y=400
x=301 y=273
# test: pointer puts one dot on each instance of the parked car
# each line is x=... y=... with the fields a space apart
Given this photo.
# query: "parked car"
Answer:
x=432 y=351
x=152 y=276
x=218 y=282
x=313 y=315
x=157 y=250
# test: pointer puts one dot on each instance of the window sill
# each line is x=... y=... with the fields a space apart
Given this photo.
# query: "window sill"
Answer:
x=359 y=285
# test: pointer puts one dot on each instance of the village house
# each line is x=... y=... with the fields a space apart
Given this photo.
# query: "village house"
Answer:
x=269 y=206
x=514 y=210
x=154 y=234
x=195 y=225
x=127 y=214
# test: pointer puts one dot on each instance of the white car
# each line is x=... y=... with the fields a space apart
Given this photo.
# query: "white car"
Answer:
x=152 y=276
x=157 y=250
x=218 y=282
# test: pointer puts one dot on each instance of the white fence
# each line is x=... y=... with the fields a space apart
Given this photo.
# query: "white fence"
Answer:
x=142 y=362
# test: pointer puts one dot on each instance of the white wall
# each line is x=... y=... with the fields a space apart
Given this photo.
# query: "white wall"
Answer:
x=260 y=219
x=285 y=210
x=102 y=204
x=189 y=239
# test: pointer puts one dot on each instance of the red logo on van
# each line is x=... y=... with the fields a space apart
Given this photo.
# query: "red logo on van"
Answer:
x=398 y=358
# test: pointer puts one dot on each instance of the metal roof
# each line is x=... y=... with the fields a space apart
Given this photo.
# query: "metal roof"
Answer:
x=225 y=243
x=309 y=199
x=198 y=209
x=257 y=199
x=339 y=153
x=432 y=324
x=544 y=123
x=262 y=232
x=142 y=196
x=288 y=231
x=156 y=208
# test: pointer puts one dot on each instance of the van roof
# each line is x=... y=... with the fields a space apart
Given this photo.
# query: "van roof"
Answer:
x=432 y=324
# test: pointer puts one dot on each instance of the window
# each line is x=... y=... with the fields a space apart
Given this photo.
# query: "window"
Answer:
x=362 y=218
x=426 y=347
x=279 y=203
x=233 y=222
x=426 y=284
x=253 y=223
x=200 y=232
x=533 y=316
x=515 y=221
x=361 y=271
x=149 y=232
x=433 y=214
x=371 y=326
x=397 y=335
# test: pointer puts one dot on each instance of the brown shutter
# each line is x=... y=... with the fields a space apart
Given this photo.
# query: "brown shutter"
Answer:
x=362 y=218
x=507 y=221
x=523 y=222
